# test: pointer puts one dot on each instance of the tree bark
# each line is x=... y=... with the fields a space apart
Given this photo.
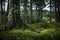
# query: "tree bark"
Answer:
x=1 y=13
x=14 y=19
x=25 y=11
x=31 y=13
x=57 y=11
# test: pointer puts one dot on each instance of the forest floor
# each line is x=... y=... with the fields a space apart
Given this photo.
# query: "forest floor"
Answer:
x=44 y=31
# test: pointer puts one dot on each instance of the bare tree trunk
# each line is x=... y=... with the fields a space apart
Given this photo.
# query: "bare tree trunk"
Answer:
x=1 y=13
x=31 y=14
x=50 y=11
x=25 y=11
x=14 y=19
x=55 y=12
x=58 y=13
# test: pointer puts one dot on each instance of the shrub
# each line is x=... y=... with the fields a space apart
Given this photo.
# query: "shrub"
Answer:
x=46 y=25
x=50 y=34
x=34 y=26
x=55 y=24
x=19 y=35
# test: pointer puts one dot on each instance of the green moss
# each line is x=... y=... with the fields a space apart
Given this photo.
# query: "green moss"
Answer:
x=34 y=26
x=51 y=31
x=48 y=31
x=44 y=25
x=50 y=34
x=19 y=34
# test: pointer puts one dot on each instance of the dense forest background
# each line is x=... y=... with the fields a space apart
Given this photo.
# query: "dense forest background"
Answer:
x=30 y=15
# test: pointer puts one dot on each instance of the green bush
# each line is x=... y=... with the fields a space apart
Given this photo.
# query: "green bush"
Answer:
x=44 y=25
x=48 y=25
x=34 y=26
x=56 y=25
x=50 y=34
x=19 y=34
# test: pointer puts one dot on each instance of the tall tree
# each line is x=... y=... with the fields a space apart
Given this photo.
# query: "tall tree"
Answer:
x=57 y=10
x=1 y=14
x=14 y=19
x=58 y=14
x=25 y=11
x=31 y=18
x=50 y=10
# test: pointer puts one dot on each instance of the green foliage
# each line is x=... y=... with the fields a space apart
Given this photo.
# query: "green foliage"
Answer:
x=50 y=31
x=44 y=25
x=35 y=16
x=56 y=24
x=20 y=34
x=34 y=26
x=50 y=34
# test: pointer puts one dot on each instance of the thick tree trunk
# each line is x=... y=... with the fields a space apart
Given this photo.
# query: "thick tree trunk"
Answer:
x=14 y=19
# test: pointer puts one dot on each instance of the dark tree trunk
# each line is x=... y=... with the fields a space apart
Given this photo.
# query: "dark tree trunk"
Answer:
x=31 y=14
x=57 y=10
x=25 y=11
x=39 y=15
x=58 y=14
x=14 y=19
x=50 y=11
x=1 y=13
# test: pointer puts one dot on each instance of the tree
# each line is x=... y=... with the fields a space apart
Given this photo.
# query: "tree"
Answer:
x=40 y=4
x=57 y=10
x=14 y=19
x=25 y=11
x=31 y=18
x=1 y=14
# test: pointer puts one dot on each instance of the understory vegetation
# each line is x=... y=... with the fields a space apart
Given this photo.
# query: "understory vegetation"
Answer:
x=43 y=31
